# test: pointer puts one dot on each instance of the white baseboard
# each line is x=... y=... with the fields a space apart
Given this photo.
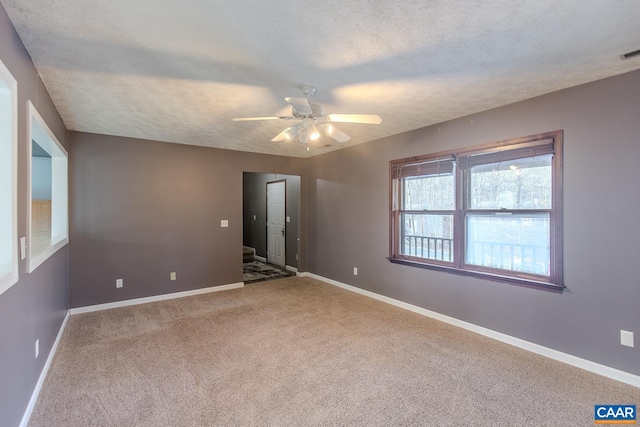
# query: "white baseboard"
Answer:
x=303 y=274
x=292 y=269
x=43 y=374
x=136 y=301
x=569 y=359
x=259 y=258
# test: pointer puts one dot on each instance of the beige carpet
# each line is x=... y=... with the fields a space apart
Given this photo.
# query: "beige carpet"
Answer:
x=300 y=352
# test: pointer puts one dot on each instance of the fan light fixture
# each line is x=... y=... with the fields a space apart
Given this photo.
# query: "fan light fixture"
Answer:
x=306 y=131
x=313 y=120
x=328 y=129
x=292 y=132
x=313 y=132
x=304 y=136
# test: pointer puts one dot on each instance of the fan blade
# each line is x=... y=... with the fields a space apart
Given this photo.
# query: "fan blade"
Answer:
x=281 y=136
x=316 y=109
x=301 y=105
x=248 y=119
x=337 y=134
x=372 y=119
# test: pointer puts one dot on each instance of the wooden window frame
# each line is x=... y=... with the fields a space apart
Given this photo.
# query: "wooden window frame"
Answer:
x=554 y=282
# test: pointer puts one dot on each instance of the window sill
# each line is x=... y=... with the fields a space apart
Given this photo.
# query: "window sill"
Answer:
x=39 y=258
x=545 y=286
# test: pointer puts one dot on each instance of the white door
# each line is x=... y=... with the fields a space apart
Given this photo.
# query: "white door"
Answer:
x=275 y=222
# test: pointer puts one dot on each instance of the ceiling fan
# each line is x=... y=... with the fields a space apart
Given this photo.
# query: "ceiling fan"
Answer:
x=312 y=121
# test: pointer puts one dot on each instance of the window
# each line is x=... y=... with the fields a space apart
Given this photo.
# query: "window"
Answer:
x=48 y=207
x=493 y=211
x=8 y=179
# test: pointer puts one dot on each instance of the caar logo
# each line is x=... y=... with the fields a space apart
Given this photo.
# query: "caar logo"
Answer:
x=614 y=414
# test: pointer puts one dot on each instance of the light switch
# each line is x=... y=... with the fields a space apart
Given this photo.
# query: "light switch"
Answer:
x=288 y=219
x=224 y=223
x=23 y=247
x=254 y=217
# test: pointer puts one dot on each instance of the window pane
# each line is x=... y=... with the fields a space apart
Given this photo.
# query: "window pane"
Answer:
x=516 y=184
x=517 y=242
x=427 y=236
x=432 y=193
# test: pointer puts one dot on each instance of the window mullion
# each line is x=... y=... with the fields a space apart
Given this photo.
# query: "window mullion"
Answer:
x=458 y=225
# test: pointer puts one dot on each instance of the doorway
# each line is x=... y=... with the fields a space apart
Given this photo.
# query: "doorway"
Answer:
x=276 y=226
x=263 y=241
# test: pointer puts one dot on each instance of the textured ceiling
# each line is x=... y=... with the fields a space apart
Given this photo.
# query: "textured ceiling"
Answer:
x=179 y=71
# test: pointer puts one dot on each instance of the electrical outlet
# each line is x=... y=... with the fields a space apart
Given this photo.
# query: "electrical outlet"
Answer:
x=626 y=338
x=355 y=271
x=172 y=275
x=119 y=283
x=37 y=348
x=224 y=223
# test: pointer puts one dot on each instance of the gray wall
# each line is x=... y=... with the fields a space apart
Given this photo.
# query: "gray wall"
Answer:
x=348 y=220
x=141 y=209
x=255 y=203
x=33 y=308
